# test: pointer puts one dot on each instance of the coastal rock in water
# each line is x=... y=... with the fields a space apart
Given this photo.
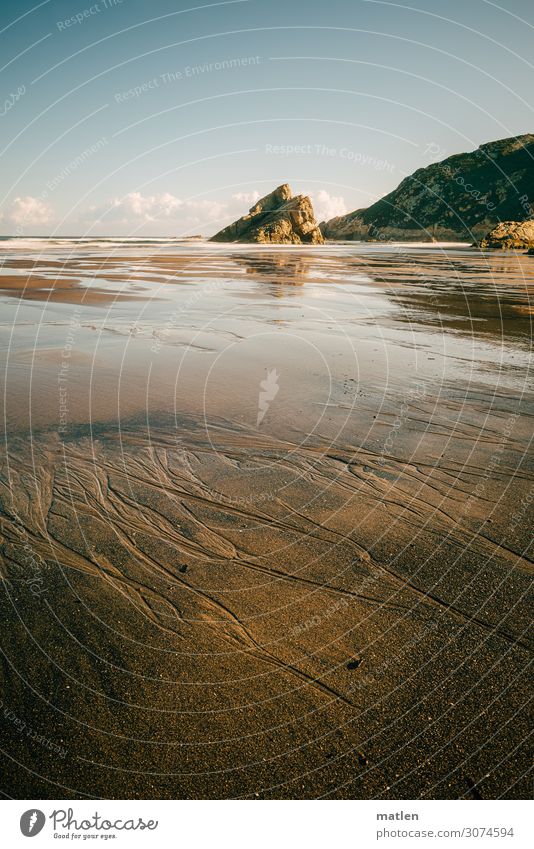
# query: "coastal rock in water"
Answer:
x=278 y=217
x=458 y=199
x=509 y=235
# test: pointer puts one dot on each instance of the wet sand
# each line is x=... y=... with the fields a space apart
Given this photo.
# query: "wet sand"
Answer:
x=266 y=523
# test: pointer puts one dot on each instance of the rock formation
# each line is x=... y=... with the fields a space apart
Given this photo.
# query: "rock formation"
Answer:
x=509 y=235
x=278 y=217
x=460 y=198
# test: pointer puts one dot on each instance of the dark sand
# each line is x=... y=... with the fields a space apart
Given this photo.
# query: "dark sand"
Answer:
x=330 y=603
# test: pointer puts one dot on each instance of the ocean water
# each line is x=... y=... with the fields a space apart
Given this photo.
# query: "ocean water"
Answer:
x=383 y=315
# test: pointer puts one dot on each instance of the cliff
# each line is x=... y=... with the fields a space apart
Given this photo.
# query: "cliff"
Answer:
x=460 y=198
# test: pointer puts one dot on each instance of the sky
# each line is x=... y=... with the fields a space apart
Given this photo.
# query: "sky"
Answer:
x=127 y=117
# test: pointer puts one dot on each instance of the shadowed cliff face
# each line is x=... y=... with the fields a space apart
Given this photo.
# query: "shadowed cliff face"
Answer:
x=327 y=600
x=461 y=198
x=279 y=218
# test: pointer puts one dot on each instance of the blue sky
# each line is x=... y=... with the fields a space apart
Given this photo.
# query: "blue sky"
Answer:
x=168 y=118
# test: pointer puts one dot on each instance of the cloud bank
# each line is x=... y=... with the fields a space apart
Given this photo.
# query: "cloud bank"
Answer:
x=159 y=214
x=27 y=211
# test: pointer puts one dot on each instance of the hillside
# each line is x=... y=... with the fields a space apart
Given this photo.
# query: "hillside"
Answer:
x=460 y=198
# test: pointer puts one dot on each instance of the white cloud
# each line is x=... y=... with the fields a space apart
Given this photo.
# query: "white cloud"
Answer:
x=246 y=197
x=149 y=207
x=207 y=210
x=326 y=205
x=28 y=211
x=166 y=213
x=135 y=209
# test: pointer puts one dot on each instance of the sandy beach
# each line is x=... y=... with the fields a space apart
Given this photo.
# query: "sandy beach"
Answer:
x=265 y=520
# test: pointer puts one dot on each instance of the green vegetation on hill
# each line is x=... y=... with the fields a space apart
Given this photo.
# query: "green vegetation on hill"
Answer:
x=461 y=197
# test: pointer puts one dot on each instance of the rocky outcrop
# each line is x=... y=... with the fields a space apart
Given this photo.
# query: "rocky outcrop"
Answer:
x=460 y=198
x=510 y=235
x=279 y=218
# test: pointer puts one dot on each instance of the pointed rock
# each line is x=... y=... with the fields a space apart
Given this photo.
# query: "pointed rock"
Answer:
x=278 y=218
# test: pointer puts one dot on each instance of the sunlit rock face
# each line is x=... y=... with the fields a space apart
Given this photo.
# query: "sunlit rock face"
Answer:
x=509 y=235
x=277 y=218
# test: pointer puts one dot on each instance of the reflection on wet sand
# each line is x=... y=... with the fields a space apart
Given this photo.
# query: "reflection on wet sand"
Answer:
x=331 y=601
x=288 y=269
